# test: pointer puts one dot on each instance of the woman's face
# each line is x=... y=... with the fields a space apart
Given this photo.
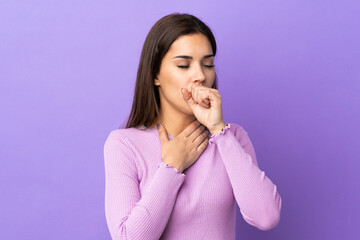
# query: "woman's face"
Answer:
x=188 y=61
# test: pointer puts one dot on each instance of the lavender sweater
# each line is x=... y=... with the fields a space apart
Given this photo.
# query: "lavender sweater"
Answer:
x=148 y=199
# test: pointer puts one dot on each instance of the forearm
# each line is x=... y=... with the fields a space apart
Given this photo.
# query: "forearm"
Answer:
x=130 y=213
x=149 y=216
x=256 y=195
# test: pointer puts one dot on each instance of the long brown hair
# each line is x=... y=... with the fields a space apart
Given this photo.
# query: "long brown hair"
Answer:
x=146 y=101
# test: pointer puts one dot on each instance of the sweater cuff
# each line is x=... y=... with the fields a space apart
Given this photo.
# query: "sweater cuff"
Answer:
x=165 y=165
x=223 y=131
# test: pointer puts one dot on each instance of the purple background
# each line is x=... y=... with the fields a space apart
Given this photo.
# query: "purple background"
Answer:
x=289 y=73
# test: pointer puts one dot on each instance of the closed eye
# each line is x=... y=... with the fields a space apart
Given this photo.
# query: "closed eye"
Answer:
x=208 y=66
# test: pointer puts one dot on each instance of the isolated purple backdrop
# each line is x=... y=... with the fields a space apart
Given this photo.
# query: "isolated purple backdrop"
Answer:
x=289 y=73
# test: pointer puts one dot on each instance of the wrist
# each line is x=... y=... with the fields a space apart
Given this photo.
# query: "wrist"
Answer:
x=219 y=128
x=175 y=165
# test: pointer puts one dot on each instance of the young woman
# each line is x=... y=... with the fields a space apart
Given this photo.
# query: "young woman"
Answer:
x=182 y=180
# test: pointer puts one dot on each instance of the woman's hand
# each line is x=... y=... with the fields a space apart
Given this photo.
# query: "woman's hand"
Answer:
x=183 y=150
x=206 y=105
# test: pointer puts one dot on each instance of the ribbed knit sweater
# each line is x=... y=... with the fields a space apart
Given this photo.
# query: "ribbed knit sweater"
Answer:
x=148 y=199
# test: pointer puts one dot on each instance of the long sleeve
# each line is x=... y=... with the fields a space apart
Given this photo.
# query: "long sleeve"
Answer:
x=129 y=214
x=256 y=195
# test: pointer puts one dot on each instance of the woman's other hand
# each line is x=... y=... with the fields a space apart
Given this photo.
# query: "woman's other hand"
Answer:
x=184 y=149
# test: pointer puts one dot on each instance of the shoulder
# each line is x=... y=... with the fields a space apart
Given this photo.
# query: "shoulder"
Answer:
x=119 y=133
x=120 y=154
x=240 y=134
x=130 y=138
x=127 y=134
x=120 y=138
x=119 y=147
x=243 y=138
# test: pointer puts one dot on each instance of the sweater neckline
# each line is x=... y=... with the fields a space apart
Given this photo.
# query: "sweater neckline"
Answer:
x=169 y=137
x=154 y=129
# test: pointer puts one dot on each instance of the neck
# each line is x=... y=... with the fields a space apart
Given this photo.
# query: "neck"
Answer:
x=173 y=121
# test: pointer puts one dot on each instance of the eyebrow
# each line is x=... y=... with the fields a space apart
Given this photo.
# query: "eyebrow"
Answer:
x=189 y=57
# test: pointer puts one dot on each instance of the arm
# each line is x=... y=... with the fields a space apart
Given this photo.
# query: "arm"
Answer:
x=256 y=195
x=128 y=214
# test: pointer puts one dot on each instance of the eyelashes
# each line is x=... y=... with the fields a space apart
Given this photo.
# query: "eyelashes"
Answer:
x=208 y=66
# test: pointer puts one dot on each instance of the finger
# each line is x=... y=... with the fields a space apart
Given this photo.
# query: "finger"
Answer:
x=194 y=92
x=203 y=133
x=188 y=99
x=203 y=145
x=197 y=91
x=213 y=97
x=190 y=128
x=197 y=132
x=201 y=97
x=204 y=102
x=200 y=87
x=205 y=105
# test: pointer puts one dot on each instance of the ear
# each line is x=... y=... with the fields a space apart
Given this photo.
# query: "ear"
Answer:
x=156 y=81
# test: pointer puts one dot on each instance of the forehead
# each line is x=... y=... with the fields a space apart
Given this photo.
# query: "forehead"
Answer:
x=193 y=44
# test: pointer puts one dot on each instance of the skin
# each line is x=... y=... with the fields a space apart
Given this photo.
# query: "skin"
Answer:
x=198 y=101
x=190 y=108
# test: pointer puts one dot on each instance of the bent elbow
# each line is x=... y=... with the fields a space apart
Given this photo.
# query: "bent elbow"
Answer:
x=273 y=219
x=264 y=223
x=270 y=223
x=267 y=220
x=119 y=231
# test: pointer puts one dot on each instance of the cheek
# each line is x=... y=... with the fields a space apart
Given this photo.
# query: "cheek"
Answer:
x=173 y=75
x=173 y=83
x=177 y=79
x=210 y=76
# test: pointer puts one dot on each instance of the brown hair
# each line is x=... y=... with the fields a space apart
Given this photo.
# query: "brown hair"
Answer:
x=146 y=101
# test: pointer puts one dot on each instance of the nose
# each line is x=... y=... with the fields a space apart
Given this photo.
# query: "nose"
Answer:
x=199 y=75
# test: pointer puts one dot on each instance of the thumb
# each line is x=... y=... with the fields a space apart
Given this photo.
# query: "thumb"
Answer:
x=162 y=133
x=188 y=98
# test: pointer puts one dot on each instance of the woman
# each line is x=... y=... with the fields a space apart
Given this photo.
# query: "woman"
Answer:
x=181 y=181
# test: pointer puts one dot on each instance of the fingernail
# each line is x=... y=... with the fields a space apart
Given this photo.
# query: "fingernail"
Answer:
x=182 y=91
